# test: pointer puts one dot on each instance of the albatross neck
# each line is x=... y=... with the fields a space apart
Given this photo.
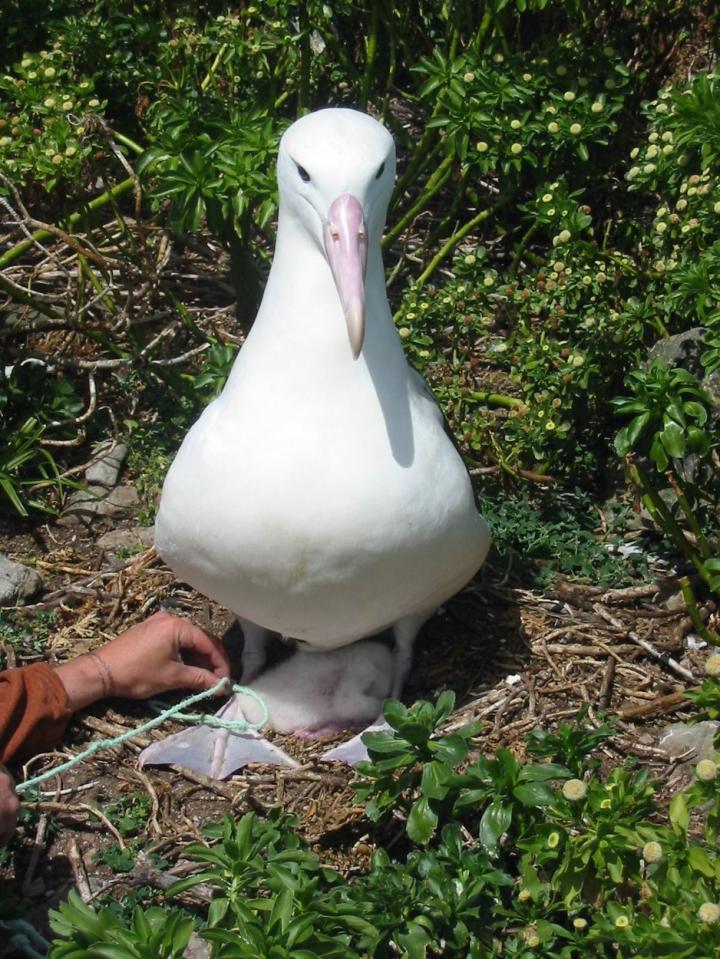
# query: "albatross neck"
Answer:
x=301 y=311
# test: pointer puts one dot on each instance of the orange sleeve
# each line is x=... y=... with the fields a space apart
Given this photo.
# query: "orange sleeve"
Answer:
x=33 y=711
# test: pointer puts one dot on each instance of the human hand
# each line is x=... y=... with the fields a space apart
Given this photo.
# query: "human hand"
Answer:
x=9 y=806
x=163 y=653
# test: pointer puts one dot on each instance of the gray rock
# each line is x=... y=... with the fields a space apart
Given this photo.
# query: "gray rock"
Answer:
x=18 y=583
x=677 y=738
x=95 y=502
x=106 y=470
x=684 y=350
x=197 y=948
x=137 y=538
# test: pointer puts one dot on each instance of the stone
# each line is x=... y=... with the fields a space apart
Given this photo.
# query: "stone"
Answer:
x=678 y=738
x=197 y=948
x=137 y=538
x=18 y=583
x=105 y=471
x=683 y=350
x=95 y=502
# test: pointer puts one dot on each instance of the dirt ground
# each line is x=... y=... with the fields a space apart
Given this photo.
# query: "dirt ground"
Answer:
x=516 y=659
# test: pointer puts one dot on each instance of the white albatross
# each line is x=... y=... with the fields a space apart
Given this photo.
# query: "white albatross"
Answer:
x=320 y=496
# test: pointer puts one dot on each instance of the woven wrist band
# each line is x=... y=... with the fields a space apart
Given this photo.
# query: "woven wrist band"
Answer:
x=105 y=674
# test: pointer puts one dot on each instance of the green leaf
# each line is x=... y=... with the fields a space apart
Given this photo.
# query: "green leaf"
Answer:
x=495 y=823
x=534 y=794
x=415 y=941
x=673 y=439
x=679 y=815
x=435 y=780
x=698 y=859
x=422 y=821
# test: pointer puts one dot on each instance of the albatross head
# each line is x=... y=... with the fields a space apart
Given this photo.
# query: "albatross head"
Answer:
x=336 y=170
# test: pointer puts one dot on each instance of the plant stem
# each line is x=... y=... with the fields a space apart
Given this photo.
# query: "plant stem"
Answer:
x=450 y=244
x=213 y=67
x=304 y=85
x=690 y=516
x=127 y=142
x=528 y=235
x=664 y=519
x=22 y=296
x=694 y=613
x=496 y=399
x=433 y=185
x=16 y=251
x=371 y=44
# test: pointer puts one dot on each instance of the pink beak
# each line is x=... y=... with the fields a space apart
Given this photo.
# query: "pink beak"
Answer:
x=345 y=240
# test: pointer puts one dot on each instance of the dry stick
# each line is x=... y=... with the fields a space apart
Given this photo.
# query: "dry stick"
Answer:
x=656 y=654
x=38 y=848
x=16 y=251
x=607 y=685
x=78 y=868
x=49 y=228
x=661 y=704
x=75 y=809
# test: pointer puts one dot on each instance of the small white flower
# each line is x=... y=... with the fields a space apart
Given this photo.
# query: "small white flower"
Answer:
x=553 y=127
x=481 y=146
x=653 y=137
x=49 y=103
x=597 y=107
x=488 y=280
x=709 y=913
x=516 y=148
x=662 y=108
x=652 y=152
x=575 y=128
x=706 y=770
x=634 y=152
x=652 y=852
x=561 y=70
x=515 y=124
x=649 y=168
x=574 y=790
x=547 y=197
x=712 y=663
x=661 y=227
x=527 y=77
x=569 y=96
x=469 y=77
x=667 y=149
x=49 y=72
x=564 y=236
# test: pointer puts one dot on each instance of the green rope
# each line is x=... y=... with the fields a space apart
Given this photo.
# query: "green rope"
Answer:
x=172 y=712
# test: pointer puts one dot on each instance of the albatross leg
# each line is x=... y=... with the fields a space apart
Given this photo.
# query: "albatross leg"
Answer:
x=405 y=632
x=254 y=654
x=218 y=752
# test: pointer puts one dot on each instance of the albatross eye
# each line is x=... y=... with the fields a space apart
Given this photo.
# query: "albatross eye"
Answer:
x=304 y=175
x=380 y=171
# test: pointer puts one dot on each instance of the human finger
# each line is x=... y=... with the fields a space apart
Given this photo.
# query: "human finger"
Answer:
x=202 y=649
